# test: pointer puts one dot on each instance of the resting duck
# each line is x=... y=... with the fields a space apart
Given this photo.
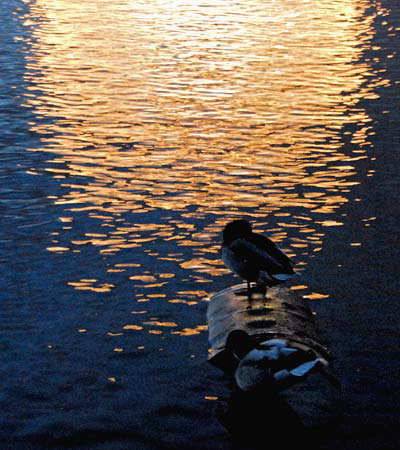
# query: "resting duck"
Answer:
x=271 y=363
x=275 y=363
x=254 y=257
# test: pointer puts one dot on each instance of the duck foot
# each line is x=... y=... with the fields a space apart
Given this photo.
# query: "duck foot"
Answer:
x=260 y=289
x=245 y=292
x=242 y=292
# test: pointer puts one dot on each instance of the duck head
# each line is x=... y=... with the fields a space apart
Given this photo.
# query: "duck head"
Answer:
x=235 y=230
x=239 y=343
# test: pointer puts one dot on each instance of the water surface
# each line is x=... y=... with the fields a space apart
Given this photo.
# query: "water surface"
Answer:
x=133 y=131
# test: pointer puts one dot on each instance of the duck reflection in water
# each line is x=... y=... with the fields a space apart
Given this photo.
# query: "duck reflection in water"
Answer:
x=254 y=257
x=259 y=418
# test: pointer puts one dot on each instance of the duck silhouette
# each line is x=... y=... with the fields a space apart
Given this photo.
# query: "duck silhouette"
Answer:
x=254 y=257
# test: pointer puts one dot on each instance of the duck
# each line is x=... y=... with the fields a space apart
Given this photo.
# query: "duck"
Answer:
x=277 y=364
x=254 y=257
x=273 y=363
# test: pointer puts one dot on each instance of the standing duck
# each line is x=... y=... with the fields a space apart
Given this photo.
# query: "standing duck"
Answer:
x=254 y=257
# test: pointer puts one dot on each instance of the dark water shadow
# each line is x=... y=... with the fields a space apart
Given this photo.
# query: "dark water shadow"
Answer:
x=362 y=281
x=263 y=419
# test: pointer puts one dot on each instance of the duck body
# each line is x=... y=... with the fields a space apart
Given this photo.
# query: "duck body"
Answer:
x=253 y=256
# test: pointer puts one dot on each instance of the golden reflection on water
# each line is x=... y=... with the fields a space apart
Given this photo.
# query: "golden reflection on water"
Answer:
x=206 y=109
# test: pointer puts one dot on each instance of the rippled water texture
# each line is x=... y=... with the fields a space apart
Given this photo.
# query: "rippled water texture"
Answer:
x=133 y=131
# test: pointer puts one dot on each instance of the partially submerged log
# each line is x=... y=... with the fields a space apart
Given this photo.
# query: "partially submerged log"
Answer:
x=271 y=348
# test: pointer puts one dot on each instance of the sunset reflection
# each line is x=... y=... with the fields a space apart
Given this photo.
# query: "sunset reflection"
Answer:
x=196 y=115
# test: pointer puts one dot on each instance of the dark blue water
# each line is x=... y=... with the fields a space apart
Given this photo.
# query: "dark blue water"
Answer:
x=131 y=133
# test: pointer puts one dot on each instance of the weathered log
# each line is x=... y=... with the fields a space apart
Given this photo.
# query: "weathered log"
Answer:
x=271 y=344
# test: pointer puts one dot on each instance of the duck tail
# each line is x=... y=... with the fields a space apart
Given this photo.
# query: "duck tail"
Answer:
x=283 y=276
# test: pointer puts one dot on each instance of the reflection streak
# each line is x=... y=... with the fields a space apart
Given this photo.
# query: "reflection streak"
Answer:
x=163 y=121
